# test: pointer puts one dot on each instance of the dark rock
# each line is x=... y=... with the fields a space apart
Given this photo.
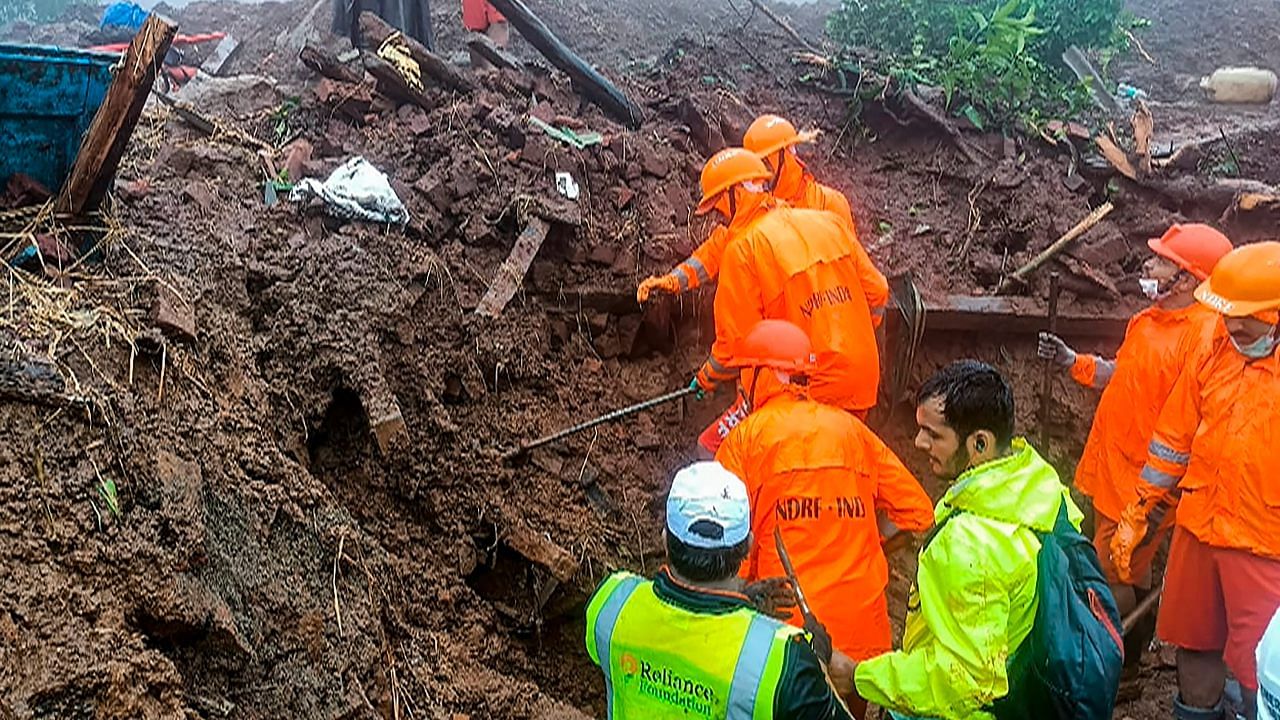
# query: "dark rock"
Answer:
x=622 y=196
x=604 y=254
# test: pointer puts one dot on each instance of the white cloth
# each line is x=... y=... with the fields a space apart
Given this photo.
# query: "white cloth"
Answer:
x=355 y=191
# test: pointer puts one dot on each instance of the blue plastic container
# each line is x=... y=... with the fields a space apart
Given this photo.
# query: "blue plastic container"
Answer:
x=48 y=97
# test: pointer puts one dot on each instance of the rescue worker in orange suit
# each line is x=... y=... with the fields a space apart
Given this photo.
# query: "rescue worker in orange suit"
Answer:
x=1213 y=454
x=774 y=140
x=793 y=264
x=1134 y=386
x=830 y=487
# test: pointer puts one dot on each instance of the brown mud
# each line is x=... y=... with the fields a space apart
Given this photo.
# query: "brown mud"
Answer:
x=265 y=556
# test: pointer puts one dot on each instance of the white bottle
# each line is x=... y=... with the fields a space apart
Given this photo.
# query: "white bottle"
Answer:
x=1240 y=85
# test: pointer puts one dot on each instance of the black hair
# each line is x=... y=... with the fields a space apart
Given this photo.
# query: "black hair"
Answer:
x=975 y=396
x=705 y=564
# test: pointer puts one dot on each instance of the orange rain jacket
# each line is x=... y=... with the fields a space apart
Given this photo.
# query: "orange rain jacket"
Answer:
x=797 y=187
x=703 y=265
x=808 y=267
x=1215 y=441
x=1134 y=388
x=822 y=477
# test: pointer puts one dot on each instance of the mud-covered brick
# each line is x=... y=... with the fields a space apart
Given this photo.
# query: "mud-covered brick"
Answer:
x=540 y=550
x=607 y=343
x=297 y=155
x=132 y=191
x=653 y=161
x=633 y=171
x=436 y=191
x=464 y=183
x=622 y=196
x=198 y=193
x=603 y=254
x=544 y=112
x=629 y=334
x=625 y=265
x=560 y=332
x=1105 y=246
x=597 y=320
x=173 y=318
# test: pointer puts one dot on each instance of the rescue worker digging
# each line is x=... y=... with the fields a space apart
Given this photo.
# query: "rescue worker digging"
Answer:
x=689 y=642
x=1135 y=385
x=774 y=140
x=1213 y=446
x=800 y=265
x=820 y=476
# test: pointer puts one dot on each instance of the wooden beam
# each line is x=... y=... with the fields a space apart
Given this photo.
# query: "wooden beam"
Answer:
x=511 y=273
x=392 y=84
x=992 y=316
x=375 y=31
x=327 y=64
x=113 y=125
x=485 y=47
x=586 y=78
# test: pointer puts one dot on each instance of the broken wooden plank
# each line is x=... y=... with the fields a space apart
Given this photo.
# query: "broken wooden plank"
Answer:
x=485 y=47
x=991 y=315
x=327 y=64
x=1058 y=245
x=392 y=84
x=511 y=273
x=541 y=551
x=586 y=78
x=347 y=99
x=382 y=410
x=33 y=381
x=375 y=31
x=108 y=136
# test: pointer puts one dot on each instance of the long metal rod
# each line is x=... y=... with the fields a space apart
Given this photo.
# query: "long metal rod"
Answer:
x=1144 y=607
x=608 y=417
x=1046 y=381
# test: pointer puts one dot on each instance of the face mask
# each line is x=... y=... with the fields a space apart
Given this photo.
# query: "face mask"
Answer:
x=1150 y=288
x=1258 y=349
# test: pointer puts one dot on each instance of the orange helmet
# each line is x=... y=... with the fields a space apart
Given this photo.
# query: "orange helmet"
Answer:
x=725 y=169
x=776 y=344
x=1245 y=282
x=771 y=133
x=1193 y=247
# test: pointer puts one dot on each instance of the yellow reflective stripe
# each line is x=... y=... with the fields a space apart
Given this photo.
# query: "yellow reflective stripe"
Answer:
x=748 y=673
x=604 y=625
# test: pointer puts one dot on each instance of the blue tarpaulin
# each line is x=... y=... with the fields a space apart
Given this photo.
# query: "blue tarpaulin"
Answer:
x=123 y=15
x=48 y=97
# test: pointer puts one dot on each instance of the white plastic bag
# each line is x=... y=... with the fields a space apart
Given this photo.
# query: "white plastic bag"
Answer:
x=355 y=191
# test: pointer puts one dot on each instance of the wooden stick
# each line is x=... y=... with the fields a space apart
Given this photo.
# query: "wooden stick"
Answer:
x=113 y=125
x=594 y=86
x=782 y=23
x=327 y=64
x=1080 y=229
x=374 y=30
x=485 y=47
x=1046 y=380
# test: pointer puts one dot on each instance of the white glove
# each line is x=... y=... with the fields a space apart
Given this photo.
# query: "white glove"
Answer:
x=1051 y=347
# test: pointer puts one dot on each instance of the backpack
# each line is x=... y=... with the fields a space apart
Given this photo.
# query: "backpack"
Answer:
x=1068 y=667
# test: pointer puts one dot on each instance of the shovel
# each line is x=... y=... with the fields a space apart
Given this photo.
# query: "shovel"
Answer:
x=606 y=418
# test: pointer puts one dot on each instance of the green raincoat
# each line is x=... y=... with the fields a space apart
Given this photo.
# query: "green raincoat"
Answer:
x=975 y=595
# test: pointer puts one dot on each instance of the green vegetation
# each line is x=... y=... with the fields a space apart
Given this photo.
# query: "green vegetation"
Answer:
x=998 y=62
x=109 y=495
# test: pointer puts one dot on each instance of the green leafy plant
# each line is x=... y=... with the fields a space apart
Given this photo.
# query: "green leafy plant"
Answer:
x=109 y=495
x=998 y=62
x=280 y=118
